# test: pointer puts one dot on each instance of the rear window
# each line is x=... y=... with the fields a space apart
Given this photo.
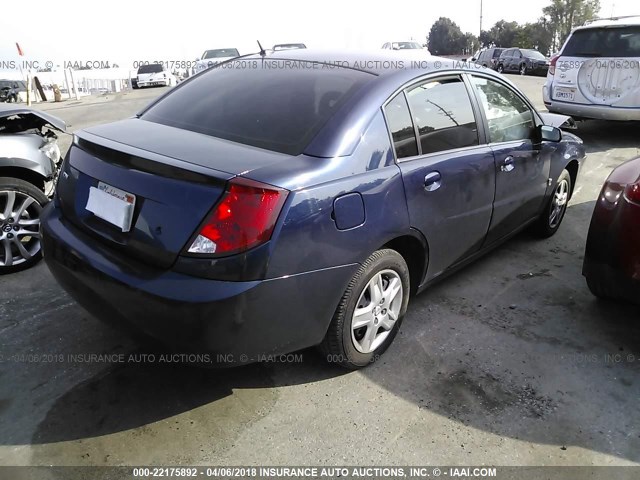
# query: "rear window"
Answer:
x=275 y=105
x=151 y=68
x=405 y=45
x=497 y=52
x=221 y=53
x=604 y=42
x=536 y=55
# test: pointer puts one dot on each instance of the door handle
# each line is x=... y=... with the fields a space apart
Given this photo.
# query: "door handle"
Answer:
x=432 y=181
x=507 y=164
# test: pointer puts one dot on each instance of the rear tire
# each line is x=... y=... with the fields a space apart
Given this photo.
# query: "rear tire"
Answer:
x=523 y=69
x=20 y=246
x=551 y=217
x=599 y=288
x=500 y=68
x=370 y=311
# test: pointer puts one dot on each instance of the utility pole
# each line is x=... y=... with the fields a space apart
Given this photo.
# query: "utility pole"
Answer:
x=480 y=18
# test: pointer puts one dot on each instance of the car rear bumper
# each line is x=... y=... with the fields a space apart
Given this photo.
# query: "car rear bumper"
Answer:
x=237 y=321
x=162 y=83
x=598 y=112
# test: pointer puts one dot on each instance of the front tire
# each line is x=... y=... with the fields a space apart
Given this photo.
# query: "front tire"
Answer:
x=370 y=311
x=21 y=204
x=500 y=68
x=553 y=213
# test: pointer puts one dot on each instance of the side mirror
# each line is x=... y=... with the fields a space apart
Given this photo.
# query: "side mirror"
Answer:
x=550 y=134
x=474 y=59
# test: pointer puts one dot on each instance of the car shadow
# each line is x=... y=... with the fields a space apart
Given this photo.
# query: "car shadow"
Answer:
x=134 y=395
x=600 y=135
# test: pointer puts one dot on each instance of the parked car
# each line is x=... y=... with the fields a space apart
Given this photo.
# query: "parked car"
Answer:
x=489 y=57
x=612 y=257
x=288 y=46
x=319 y=189
x=211 y=58
x=524 y=61
x=597 y=72
x=9 y=91
x=402 y=46
x=153 y=75
x=29 y=159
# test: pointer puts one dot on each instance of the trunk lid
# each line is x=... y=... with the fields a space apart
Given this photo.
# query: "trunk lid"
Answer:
x=174 y=190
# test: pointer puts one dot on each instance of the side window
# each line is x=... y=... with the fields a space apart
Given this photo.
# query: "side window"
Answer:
x=443 y=114
x=402 y=131
x=517 y=54
x=508 y=116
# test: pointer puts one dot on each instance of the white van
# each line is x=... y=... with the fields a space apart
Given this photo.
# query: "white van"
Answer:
x=597 y=72
x=154 y=74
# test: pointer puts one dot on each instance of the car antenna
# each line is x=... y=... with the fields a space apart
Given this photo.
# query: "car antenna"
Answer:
x=263 y=52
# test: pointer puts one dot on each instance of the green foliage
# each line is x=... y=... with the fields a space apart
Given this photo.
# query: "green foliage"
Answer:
x=446 y=38
x=547 y=34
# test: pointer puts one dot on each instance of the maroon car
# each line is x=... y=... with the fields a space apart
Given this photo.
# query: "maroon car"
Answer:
x=612 y=258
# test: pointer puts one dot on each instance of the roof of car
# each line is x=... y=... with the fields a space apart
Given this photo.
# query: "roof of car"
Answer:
x=612 y=22
x=377 y=62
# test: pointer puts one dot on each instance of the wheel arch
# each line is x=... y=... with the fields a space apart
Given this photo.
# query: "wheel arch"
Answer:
x=413 y=247
x=572 y=167
x=25 y=174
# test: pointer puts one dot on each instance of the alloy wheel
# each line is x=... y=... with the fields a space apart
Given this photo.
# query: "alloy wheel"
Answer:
x=19 y=227
x=559 y=203
x=377 y=311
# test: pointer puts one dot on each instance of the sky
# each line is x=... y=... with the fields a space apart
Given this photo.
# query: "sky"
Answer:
x=125 y=31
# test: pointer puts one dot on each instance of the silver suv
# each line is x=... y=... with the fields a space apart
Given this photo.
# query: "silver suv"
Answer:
x=597 y=72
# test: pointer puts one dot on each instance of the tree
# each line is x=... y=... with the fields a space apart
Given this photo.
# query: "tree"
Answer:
x=538 y=36
x=504 y=34
x=446 y=38
x=564 y=15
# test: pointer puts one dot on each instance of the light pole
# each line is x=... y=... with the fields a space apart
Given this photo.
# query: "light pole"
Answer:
x=480 y=18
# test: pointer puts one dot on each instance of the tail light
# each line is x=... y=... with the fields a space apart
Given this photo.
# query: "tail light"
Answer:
x=552 y=65
x=632 y=192
x=244 y=218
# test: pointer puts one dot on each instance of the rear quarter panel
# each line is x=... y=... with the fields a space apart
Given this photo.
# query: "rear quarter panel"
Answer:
x=308 y=238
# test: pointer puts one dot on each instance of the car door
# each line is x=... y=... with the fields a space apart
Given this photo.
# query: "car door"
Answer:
x=522 y=162
x=449 y=177
x=505 y=59
x=516 y=59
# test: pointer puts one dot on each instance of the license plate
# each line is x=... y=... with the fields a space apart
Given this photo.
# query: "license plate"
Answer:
x=112 y=205
x=564 y=93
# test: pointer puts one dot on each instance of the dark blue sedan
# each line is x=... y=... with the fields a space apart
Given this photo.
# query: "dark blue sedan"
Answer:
x=295 y=199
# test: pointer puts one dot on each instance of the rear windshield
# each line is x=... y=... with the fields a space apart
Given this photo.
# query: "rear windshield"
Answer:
x=277 y=105
x=152 y=68
x=405 y=45
x=536 y=55
x=221 y=53
x=604 y=42
x=289 y=46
